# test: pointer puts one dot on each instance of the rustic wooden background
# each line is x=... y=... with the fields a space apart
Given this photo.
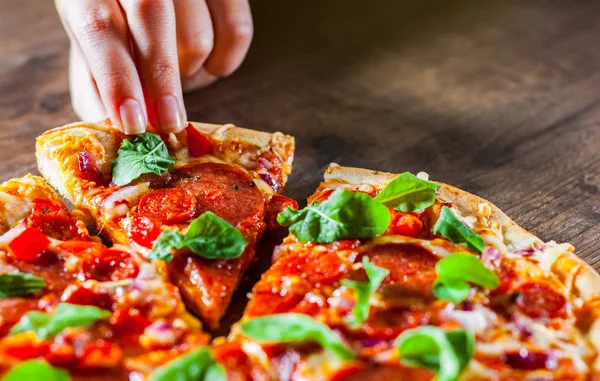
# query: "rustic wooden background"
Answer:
x=501 y=98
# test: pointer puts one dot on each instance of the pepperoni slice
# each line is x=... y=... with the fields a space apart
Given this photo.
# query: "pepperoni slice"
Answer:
x=199 y=144
x=540 y=300
x=277 y=204
x=64 y=228
x=109 y=265
x=170 y=205
x=41 y=206
x=223 y=189
x=409 y=265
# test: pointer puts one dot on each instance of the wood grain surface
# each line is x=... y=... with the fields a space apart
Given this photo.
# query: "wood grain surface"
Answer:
x=501 y=98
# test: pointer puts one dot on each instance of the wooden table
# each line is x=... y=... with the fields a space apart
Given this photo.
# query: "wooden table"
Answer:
x=501 y=98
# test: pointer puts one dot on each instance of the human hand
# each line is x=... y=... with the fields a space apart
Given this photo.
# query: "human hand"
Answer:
x=128 y=57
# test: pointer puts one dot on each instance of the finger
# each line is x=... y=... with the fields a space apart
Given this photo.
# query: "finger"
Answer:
x=85 y=97
x=152 y=28
x=202 y=78
x=99 y=29
x=233 y=28
x=194 y=35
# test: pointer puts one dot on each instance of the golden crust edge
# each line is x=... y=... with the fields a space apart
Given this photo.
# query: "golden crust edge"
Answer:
x=586 y=281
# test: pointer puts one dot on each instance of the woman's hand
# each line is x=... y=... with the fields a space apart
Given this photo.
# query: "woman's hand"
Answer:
x=128 y=57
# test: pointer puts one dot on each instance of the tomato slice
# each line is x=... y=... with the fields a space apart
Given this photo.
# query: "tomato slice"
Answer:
x=28 y=245
x=86 y=297
x=199 y=144
x=169 y=205
x=41 y=206
x=109 y=265
x=126 y=323
x=277 y=204
x=144 y=230
x=64 y=228
x=404 y=224
x=540 y=300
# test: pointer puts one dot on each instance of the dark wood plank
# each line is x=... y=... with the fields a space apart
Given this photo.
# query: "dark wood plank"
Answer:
x=501 y=98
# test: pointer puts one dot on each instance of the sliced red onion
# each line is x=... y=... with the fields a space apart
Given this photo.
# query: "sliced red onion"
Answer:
x=490 y=255
x=529 y=360
x=525 y=252
x=262 y=162
x=267 y=178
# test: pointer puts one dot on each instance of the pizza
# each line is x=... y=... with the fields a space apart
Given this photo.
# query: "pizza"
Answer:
x=101 y=313
x=383 y=276
x=162 y=194
x=395 y=277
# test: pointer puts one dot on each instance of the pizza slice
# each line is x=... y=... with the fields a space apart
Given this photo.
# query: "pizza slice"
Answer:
x=396 y=277
x=199 y=200
x=70 y=304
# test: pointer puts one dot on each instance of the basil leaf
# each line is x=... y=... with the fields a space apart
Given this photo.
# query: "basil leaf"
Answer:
x=34 y=370
x=408 y=193
x=147 y=153
x=65 y=315
x=212 y=237
x=208 y=236
x=446 y=353
x=364 y=290
x=343 y=215
x=453 y=273
x=16 y=284
x=294 y=328
x=195 y=366
x=455 y=231
x=167 y=240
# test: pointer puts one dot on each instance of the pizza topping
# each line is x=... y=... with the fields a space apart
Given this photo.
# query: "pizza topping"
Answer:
x=36 y=370
x=208 y=236
x=16 y=284
x=343 y=215
x=118 y=202
x=28 y=245
x=408 y=193
x=170 y=205
x=41 y=206
x=87 y=297
x=197 y=365
x=199 y=143
x=146 y=153
x=59 y=227
x=529 y=360
x=143 y=230
x=223 y=189
x=87 y=168
x=269 y=169
x=277 y=204
x=109 y=265
x=65 y=315
x=295 y=328
x=455 y=231
x=405 y=224
x=539 y=300
x=453 y=273
x=447 y=353
x=364 y=291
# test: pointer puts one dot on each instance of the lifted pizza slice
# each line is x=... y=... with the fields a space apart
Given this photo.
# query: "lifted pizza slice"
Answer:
x=199 y=200
x=70 y=304
x=397 y=277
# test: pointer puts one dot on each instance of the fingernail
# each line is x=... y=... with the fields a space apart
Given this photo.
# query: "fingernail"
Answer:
x=132 y=117
x=171 y=117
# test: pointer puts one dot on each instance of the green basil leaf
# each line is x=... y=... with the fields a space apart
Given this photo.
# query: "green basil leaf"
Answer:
x=35 y=370
x=65 y=315
x=364 y=290
x=446 y=353
x=294 y=328
x=343 y=215
x=194 y=366
x=146 y=153
x=453 y=273
x=455 y=231
x=16 y=284
x=408 y=193
x=165 y=243
x=210 y=236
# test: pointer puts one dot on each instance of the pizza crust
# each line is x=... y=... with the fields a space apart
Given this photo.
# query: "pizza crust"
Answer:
x=583 y=280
